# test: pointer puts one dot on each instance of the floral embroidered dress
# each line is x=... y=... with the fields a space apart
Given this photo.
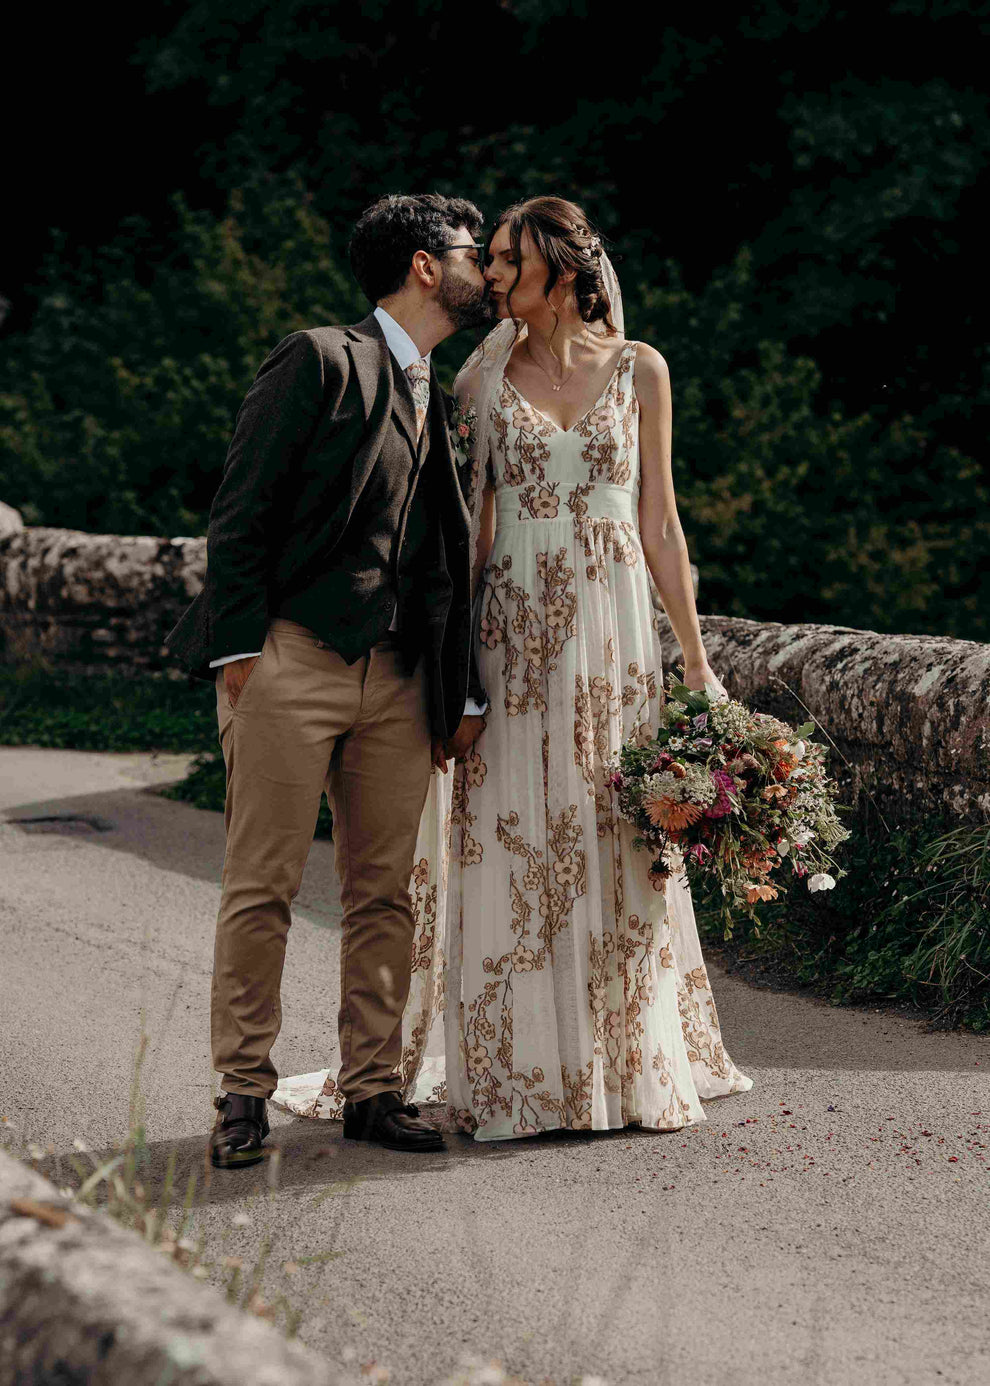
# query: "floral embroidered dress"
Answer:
x=553 y=983
x=576 y=992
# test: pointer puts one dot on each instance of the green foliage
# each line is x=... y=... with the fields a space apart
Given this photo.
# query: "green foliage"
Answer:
x=118 y=406
x=804 y=260
x=906 y=924
x=112 y=711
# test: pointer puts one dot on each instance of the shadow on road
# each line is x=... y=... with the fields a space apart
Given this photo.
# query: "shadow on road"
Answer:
x=168 y=835
x=314 y=1155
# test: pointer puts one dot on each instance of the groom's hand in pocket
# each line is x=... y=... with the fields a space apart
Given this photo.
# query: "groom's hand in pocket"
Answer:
x=465 y=736
x=235 y=676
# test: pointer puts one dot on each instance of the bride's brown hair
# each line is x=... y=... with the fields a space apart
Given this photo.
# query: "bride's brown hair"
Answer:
x=567 y=240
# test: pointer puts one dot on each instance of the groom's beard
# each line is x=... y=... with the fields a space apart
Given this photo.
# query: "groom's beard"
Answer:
x=464 y=304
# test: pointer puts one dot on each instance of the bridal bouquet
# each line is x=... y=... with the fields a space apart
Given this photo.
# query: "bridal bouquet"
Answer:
x=736 y=795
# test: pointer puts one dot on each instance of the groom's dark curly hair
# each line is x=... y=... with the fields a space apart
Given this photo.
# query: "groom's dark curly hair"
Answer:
x=392 y=229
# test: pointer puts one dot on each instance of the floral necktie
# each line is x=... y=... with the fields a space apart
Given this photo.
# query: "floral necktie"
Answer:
x=418 y=375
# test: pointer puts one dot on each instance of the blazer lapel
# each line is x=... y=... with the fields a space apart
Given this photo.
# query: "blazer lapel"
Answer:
x=372 y=360
x=372 y=363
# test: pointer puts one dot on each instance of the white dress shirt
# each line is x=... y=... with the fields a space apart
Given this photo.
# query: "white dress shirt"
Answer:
x=405 y=351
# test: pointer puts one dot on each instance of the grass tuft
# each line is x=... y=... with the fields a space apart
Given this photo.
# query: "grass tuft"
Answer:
x=907 y=924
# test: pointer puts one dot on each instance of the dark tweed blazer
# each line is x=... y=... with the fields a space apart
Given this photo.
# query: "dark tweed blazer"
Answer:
x=322 y=415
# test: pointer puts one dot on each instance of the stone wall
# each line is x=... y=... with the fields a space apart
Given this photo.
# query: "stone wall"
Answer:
x=94 y=598
x=909 y=713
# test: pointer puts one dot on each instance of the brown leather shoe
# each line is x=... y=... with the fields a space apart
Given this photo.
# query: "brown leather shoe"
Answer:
x=236 y=1140
x=388 y=1121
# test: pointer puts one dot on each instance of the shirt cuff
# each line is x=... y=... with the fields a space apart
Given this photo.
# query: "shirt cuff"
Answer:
x=475 y=709
x=229 y=659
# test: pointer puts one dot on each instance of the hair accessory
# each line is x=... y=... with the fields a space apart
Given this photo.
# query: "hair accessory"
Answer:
x=594 y=246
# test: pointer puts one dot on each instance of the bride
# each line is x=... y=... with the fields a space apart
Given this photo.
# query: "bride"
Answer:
x=568 y=980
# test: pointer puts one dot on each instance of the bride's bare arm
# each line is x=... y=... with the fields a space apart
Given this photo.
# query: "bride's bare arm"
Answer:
x=660 y=529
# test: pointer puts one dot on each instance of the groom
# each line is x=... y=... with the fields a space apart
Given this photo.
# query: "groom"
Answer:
x=335 y=621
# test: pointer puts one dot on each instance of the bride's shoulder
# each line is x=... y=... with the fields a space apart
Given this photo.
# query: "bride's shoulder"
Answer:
x=651 y=368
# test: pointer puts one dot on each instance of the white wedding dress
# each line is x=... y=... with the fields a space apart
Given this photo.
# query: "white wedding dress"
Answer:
x=569 y=990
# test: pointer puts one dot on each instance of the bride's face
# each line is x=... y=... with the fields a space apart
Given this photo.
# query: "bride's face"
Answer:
x=528 y=299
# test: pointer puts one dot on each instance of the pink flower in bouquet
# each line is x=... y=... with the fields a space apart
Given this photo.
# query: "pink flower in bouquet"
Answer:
x=701 y=721
x=463 y=430
x=723 y=804
x=615 y=779
x=700 y=852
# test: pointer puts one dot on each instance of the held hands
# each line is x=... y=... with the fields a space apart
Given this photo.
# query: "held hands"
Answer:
x=235 y=676
x=457 y=746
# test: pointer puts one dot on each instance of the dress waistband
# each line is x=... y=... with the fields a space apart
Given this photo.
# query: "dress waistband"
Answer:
x=525 y=504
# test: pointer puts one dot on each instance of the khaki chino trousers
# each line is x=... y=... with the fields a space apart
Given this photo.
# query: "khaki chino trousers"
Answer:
x=306 y=722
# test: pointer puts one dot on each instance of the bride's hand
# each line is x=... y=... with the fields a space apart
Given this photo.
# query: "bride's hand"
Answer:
x=697 y=675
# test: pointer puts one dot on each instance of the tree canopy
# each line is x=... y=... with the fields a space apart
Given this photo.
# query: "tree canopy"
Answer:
x=791 y=203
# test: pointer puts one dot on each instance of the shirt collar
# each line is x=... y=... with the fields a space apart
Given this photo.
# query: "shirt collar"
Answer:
x=400 y=344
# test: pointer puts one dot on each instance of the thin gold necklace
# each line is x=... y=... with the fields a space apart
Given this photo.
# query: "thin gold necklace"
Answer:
x=543 y=368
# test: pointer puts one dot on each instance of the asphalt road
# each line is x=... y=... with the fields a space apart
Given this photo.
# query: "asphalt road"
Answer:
x=830 y=1226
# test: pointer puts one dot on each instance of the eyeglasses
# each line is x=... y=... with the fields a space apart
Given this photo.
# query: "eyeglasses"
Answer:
x=462 y=245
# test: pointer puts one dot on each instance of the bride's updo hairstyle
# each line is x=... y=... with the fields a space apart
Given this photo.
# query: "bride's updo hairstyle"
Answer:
x=567 y=241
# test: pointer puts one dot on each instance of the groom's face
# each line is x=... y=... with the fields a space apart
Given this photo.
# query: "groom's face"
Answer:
x=462 y=291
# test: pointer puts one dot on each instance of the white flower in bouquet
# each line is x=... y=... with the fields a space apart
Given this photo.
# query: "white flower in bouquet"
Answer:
x=821 y=881
x=694 y=786
x=731 y=720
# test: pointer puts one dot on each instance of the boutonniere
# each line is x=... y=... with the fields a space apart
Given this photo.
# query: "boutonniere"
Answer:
x=463 y=431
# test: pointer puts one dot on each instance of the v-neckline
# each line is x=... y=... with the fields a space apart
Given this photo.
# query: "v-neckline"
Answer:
x=591 y=408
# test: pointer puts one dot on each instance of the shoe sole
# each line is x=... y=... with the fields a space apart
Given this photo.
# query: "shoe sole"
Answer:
x=431 y=1148
x=255 y=1158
